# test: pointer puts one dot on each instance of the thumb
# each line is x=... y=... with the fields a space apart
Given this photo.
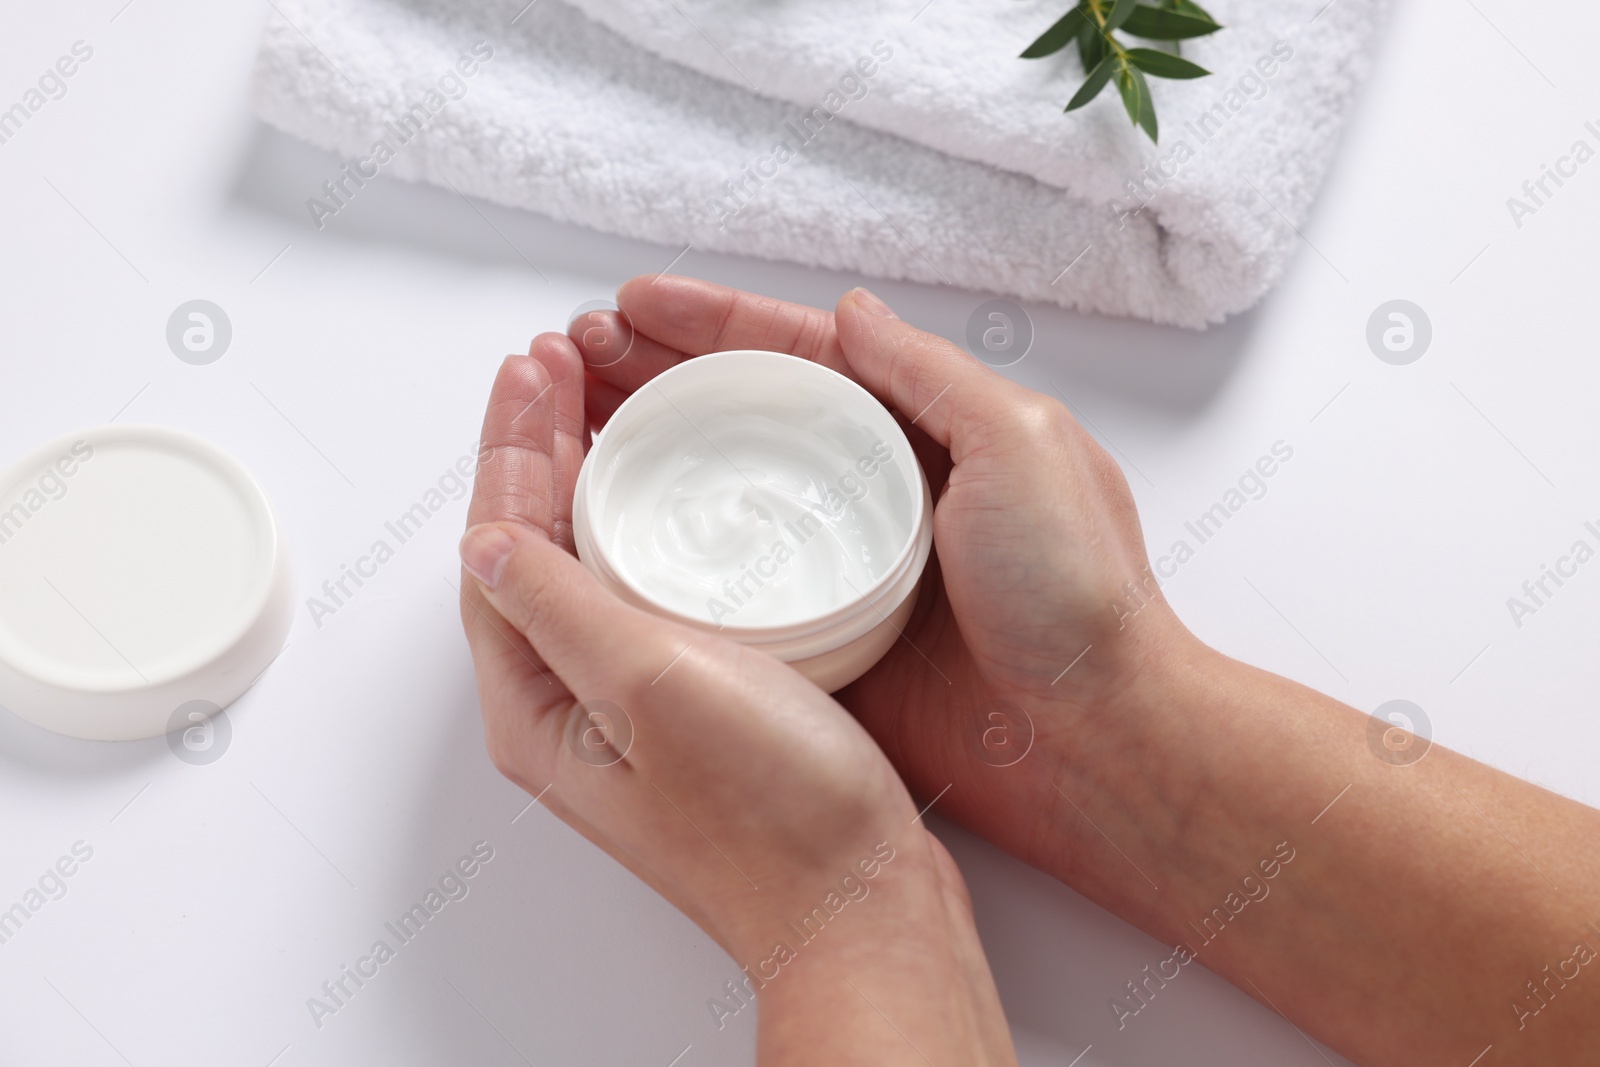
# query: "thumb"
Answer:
x=936 y=385
x=596 y=644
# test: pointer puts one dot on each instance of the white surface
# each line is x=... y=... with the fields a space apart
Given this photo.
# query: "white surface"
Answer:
x=218 y=898
x=141 y=571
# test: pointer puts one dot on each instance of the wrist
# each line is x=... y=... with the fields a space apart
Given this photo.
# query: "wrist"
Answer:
x=895 y=972
x=1194 y=780
x=1136 y=783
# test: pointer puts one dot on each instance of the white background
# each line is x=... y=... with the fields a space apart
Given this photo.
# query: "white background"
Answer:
x=220 y=897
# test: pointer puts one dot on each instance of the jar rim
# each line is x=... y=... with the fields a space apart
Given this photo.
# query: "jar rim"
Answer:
x=831 y=628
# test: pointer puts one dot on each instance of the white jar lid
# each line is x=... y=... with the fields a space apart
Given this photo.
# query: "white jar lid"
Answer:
x=141 y=571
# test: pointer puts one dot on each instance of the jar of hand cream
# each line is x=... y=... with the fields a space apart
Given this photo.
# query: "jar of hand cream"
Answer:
x=766 y=498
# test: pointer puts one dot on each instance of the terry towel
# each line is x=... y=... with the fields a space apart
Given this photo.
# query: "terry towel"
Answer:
x=904 y=149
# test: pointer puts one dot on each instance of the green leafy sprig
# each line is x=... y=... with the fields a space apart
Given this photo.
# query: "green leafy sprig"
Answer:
x=1094 y=24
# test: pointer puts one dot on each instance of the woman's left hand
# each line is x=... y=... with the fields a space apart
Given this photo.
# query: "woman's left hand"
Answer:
x=729 y=783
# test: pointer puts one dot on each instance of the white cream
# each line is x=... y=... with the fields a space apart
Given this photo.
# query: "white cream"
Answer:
x=763 y=498
x=755 y=514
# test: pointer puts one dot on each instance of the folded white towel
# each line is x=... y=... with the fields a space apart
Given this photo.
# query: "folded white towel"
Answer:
x=570 y=119
x=955 y=82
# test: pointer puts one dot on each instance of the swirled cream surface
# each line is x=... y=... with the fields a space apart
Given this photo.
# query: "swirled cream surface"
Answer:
x=755 y=515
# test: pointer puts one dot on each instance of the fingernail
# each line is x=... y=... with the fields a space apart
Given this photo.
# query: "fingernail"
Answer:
x=597 y=339
x=484 y=552
x=872 y=304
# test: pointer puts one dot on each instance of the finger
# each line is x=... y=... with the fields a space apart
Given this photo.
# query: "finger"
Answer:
x=933 y=457
x=508 y=669
x=515 y=450
x=615 y=351
x=602 y=335
x=510 y=672
x=513 y=483
x=938 y=387
x=696 y=317
x=600 y=401
x=565 y=403
x=596 y=644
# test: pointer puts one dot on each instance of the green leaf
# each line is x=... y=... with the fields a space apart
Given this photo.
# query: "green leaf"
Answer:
x=1189 y=7
x=1056 y=37
x=1164 y=64
x=1119 y=14
x=1136 y=98
x=1091 y=45
x=1094 y=83
x=1155 y=24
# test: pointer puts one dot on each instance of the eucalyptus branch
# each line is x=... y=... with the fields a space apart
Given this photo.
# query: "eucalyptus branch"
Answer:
x=1094 y=24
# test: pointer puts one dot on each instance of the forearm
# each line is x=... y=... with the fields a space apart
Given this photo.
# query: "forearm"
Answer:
x=898 y=979
x=1397 y=912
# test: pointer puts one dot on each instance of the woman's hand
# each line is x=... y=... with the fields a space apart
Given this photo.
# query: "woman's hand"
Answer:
x=1403 y=909
x=1024 y=634
x=745 y=796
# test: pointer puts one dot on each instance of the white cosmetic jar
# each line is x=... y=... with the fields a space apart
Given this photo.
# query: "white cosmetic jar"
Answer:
x=765 y=498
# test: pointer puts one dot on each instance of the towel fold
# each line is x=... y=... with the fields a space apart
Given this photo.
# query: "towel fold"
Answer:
x=563 y=115
x=956 y=82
